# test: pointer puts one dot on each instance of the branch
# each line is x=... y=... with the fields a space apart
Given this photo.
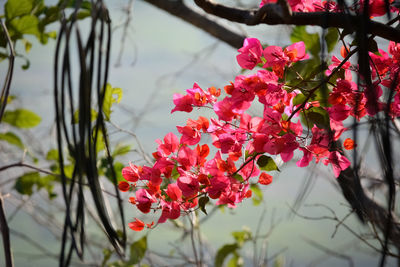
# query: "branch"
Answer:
x=180 y=10
x=273 y=14
x=7 y=81
x=371 y=211
x=5 y=232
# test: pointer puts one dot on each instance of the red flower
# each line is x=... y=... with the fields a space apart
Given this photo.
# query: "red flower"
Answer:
x=137 y=225
x=349 y=144
x=123 y=186
x=265 y=178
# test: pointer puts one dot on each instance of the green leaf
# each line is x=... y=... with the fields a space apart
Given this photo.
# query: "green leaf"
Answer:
x=203 y=202
x=111 y=96
x=223 y=252
x=303 y=72
x=27 y=24
x=175 y=174
x=100 y=141
x=12 y=139
x=52 y=154
x=318 y=116
x=373 y=46
x=21 y=118
x=83 y=4
x=238 y=177
x=15 y=8
x=235 y=261
x=331 y=38
x=118 y=166
x=24 y=184
x=106 y=256
x=257 y=194
x=311 y=41
x=138 y=250
x=299 y=99
x=266 y=163
x=121 y=150
x=242 y=236
x=83 y=14
x=28 y=45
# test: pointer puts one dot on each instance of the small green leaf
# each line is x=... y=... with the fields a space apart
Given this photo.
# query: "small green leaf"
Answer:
x=242 y=236
x=266 y=163
x=257 y=194
x=175 y=174
x=21 y=118
x=111 y=96
x=203 y=202
x=138 y=250
x=28 y=45
x=238 y=177
x=121 y=150
x=223 y=252
x=311 y=41
x=118 y=166
x=235 y=261
x=15 y=8
x=25 y=25
x=299 y=99
x=331 y=38
x=106 y=256
x=52 y=154
x=83 y=14
x=12 y=139
x=24 y=184
x=373 y=46
x=318 y=116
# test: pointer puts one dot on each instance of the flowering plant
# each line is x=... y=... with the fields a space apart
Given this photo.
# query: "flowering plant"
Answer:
x=300 y=113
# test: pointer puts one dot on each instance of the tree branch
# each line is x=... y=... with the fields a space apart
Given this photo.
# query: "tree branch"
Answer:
x=180 y=10
x=5 y=231
x=273 y=14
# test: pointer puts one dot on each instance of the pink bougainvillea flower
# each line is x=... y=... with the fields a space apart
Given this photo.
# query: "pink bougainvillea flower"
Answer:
x=338 y=162
x=174 y=192
x=186 y=157
x=296 y=52
x=144 y=200
x=188 y=184
x=170 y=210
x=218 y=185
x=137 y=225
x=277 y=58
x=199 y=97
x=171 y=144
x=339 y=112
x=224 y=109
x=305 y=160
x=182 y=103
x=264 y=2
x=250 y=53
x=131 y=173
x=190 y=135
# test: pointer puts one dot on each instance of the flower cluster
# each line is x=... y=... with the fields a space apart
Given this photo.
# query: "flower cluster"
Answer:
x=377 y=8
x=185 y=175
